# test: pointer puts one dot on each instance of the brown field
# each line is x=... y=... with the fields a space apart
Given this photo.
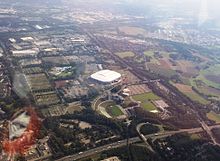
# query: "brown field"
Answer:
x=138 y=89
x=184 y=65
x=187 y=68
x=166 y=63
x=184 y=88
x=213 y=78
x=128 y=77
x=188 y=91
x=132 y=30
x=210 y=91
x=60 y=84
x=204 y=58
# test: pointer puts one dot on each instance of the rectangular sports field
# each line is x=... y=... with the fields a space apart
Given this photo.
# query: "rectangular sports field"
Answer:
x=146 y=100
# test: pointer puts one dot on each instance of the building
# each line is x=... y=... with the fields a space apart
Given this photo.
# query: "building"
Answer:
x=106 y=77
x=112 y=159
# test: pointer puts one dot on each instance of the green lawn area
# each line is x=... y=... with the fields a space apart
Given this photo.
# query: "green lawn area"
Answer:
x=125 y=54
x=213 y=116
x=192 y=94
x=149 y=53
x=108 y=103
x=114 y=111
x=195 y=97
x=213 y=70
x=195 y=137
x=205 y=89
x=146 y=99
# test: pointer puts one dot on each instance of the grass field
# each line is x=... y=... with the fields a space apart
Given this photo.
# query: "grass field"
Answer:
x=213 y=70
x=161 y=70
x=149 y=53
x=213 y=116
x=125 y=54
x=114 y=111
x=187 y=90
x=146 y=99
x=134 y=31
x=202 y=87
x=195 y=137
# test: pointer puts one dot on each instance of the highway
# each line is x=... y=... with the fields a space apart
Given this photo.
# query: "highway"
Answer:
x=131 y=140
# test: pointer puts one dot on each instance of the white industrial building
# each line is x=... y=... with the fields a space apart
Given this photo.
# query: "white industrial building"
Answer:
x=106 y=77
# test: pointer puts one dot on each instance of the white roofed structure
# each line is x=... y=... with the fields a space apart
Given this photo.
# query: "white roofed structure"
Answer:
x=106 y=76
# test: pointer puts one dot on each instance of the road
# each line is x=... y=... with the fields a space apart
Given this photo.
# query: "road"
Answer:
x=143 y=138
x=131 y=140
x=209 y=132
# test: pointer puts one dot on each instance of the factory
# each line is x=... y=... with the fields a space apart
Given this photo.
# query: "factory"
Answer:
x=106 y=77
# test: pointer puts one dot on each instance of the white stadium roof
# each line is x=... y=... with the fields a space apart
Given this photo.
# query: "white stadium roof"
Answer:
x=106 y=76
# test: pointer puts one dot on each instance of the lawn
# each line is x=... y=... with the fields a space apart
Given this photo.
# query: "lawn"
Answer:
x=213 y=70
x=149 y=53
x=213 y=116
x=196 y=97
x=146 y=99
x=114 y=111
x=187 y=90
x=126 y=54
x=213 y=93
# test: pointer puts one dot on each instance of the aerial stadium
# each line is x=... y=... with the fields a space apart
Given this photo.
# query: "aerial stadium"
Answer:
x=106 y=77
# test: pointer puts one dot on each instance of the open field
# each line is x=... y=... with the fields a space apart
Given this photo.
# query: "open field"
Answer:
x=187 y=67
x=161 y=70
x=166 y=63
x=107 y=104
x=188 y=91
x=128 y=77
x=138 y=89
x=195 y=136
x=110 y=109
x=134 y=31
x=126 y=54
x=114 y=111
x=210 y=76
x=213 y=116
x=146 y=99
x=212 y=92
x=149 y=53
